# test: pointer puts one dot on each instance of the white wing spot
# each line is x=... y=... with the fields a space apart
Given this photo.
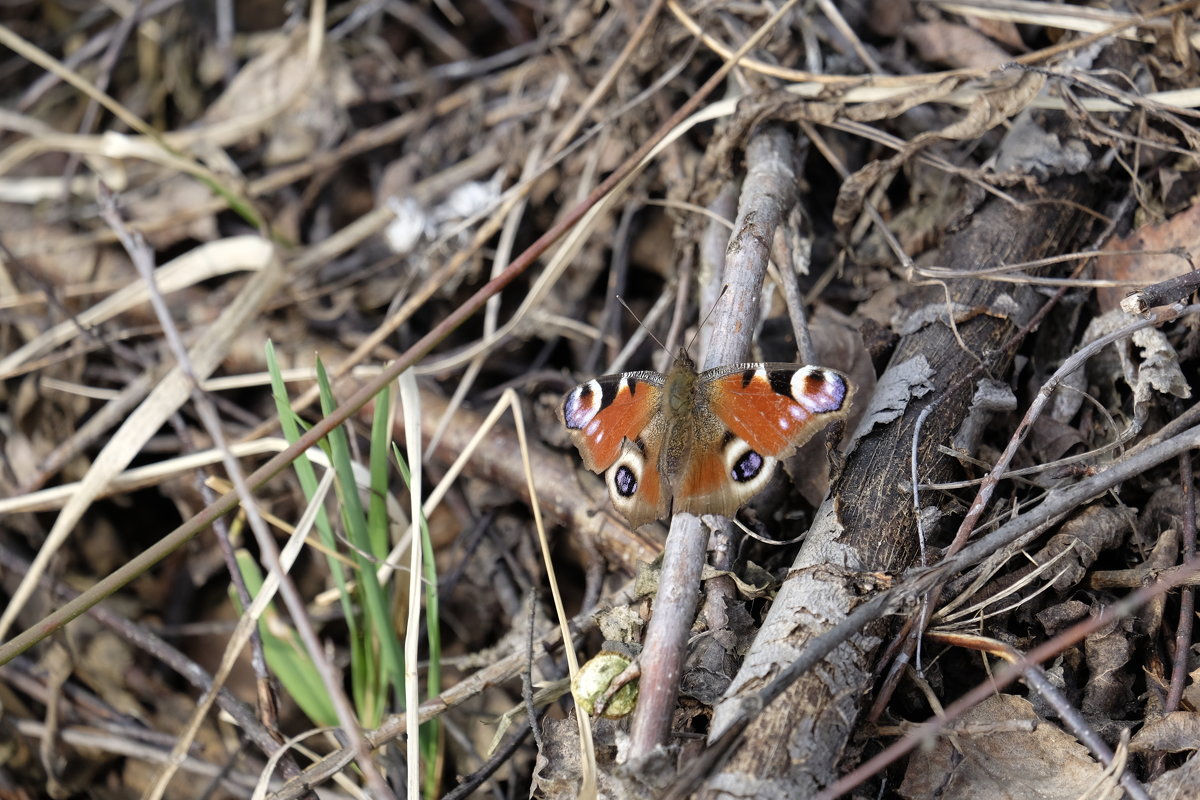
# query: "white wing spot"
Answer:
x=577 y=414
x=582 y=405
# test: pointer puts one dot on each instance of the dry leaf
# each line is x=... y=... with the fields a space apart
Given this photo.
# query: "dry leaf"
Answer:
x=1086 y=535
x=1191 y=694
x=955 y=45
x=1029 y=149
x=1107 y=652
x=1176 y=732
x=991 y=397
x=1157 y=370
x=1178 y=783
x=1177 y=232
x=557 y=772
x=1045 y=763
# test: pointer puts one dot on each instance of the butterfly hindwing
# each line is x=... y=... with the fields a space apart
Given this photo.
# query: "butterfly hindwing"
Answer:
x=634 y=483
x=722 y=477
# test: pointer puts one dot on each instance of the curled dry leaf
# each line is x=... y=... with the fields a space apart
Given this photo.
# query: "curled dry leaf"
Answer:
x=986 y=760
x=899 y=385
x=1177 y=233
x=1087 y=534
x=1159 y=370
x=1156 y=371
x=1050 y=440
x=1107 y=652
x=1191 y=695
x=954 y=45
x=992 y=397
x=1072 y=551
x=1176 y=732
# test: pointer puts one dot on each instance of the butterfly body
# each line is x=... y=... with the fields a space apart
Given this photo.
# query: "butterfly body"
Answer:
x=703 y=443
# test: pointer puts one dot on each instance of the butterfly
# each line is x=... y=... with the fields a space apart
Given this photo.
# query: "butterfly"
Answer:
x=700 y=442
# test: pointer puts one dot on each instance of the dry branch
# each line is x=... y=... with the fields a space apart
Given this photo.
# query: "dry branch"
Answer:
x=867 y=523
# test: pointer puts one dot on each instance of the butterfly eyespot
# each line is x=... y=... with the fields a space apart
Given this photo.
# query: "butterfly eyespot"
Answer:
x=625 y=481
x=819 y=391
x=582 y=405
x=747 y=467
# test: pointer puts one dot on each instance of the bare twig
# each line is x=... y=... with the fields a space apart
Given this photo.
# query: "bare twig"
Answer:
x=1187 y=595
x=1172 y=290
x=768 y=192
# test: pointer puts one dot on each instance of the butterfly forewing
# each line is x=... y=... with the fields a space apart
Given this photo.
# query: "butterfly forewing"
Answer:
x=603 y=412
x=776 y=408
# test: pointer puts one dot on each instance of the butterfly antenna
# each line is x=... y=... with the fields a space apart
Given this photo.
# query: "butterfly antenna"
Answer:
x=641 y=324
x=704 y=321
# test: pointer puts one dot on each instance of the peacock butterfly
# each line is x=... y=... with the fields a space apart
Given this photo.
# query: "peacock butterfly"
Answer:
x=712 y=439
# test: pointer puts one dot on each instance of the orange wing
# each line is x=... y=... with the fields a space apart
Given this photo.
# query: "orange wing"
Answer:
x=776 y=408
x=603 y=412
x=752 y=415
x=616 y=424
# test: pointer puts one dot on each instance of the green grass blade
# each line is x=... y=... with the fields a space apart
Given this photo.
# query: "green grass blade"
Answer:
x=363 y=680
x=377 y=516
x=285 y=655
x=375 y=605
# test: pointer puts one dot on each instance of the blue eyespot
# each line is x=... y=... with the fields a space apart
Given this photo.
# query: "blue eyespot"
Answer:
x=747 y=467
x=625 y=481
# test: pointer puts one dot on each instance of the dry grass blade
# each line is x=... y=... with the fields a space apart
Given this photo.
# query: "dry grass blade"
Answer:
x=164 y=400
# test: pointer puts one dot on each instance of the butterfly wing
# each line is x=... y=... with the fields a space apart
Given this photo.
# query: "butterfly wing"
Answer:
x=707 y=488
x=750 y=416
x=776 y=408
x=635 y=485
x=616 y=424
x=603 y=412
